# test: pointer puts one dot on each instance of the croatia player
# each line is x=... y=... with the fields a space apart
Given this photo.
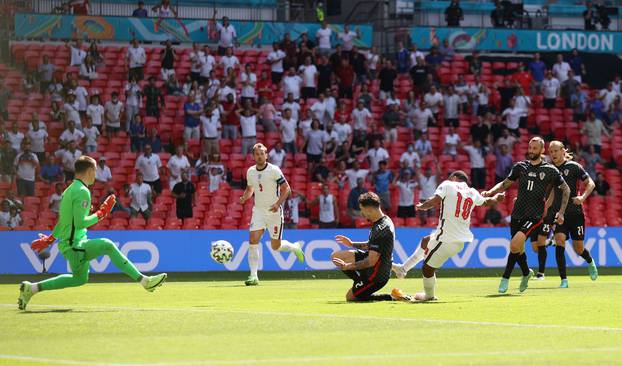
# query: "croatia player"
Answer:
x=457 y=200
x=271 y=189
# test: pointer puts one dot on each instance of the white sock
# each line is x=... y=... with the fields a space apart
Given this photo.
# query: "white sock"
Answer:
x=144 y=280
x=415 y=258
x=253 y=258
x=429 y=285
x=34 y=288
x=287 y=246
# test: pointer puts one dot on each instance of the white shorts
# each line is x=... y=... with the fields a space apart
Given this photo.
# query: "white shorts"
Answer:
x=271 y=221
x=439 y=251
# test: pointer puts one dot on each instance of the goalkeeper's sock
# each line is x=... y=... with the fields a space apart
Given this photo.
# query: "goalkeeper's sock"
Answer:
x=144 y=280
x=34 y=287
x=287 y=246
x=415 y=258
x=253 y=258
x=429 y=285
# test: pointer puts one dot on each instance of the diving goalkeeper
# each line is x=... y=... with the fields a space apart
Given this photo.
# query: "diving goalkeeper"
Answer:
x=73 y=221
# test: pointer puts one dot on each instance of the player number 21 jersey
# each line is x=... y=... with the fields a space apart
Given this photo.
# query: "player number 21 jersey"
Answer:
x=265 y=183
x=458 y=201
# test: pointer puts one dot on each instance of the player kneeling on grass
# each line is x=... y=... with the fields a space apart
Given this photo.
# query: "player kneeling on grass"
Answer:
x=73 y=221
x=369 y=264
x=457 y=200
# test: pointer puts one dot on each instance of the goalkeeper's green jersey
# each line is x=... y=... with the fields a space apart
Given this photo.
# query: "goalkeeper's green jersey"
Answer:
x=74 y=218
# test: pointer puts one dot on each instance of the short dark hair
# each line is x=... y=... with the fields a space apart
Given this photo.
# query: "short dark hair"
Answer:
x=84 y=163
x=461 y=175
x=369 y=199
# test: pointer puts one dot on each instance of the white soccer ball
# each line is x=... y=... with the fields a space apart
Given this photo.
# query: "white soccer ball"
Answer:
x=222 y=251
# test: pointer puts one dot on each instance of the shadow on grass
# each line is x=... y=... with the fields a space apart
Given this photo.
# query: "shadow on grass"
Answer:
x=492 y=296
x=62 y=311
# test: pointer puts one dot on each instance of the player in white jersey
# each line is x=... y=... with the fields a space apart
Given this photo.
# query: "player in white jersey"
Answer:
x=267 y=183
x=457 y=200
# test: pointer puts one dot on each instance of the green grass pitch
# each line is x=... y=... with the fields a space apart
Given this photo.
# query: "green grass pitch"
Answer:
x=198 y=321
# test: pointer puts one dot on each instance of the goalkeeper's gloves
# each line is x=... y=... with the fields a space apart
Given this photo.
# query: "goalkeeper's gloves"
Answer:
x=42 y=243
x=106 y=207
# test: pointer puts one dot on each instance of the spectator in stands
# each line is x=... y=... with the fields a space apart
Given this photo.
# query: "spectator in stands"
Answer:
x=354 y=210
x=292 y=84
x=177 y=164
x=290 y=209
x=192 y=114
x=150 y=167
x=13 y=200
x=229 y=62
x=5 y=214
x=391 y=119
x=321 y=173
x=602 y=187
x=597 y=107
x=72 y=110
x=154 y=140
x=137 y=134
x=227 y=35
x=91 y=134
x=576 y=64
x=267 y=115
x=480 y=131
x=347 y=38
x=216 y=173
x=248 y=126
x=113 y=110
x=95 y=112
x=315 y=142
x=323 y=37
x=569 y=88
x=423 y=146
x=71 y=134
x=96 y=56
x=428 y=183
x=415 y=56
x=329 y=210
x=248 y=79
x=522 y=102
x=154 y=98
x=54 y=200
x=504 y=162
x=477 y=154
x=614 y=113
x=345 y=77
x=15 y=219
x=372 y=59
x=45 y=74
x=208 y=63
x=28 y=82
x=382 y=179
x=475 y=63
x=376 y=154
x=135 y=59
x=288 y=131
x=319 y=109
x=451 y=107
x=195 y=62
x=507 y=91
x=133 y=100
x=229 y=118
x=406 y=186
x=594 y=129
x=560 y=69
x=538 y=70
x=211 y=127
x=512 y=116
x=591 y=158
x=201 y=166
x=102 y=172
x=77 y=53
x=141 y=197
x=15 y=136
x=278 y=155
x=579 y=103
x=309 y=73
x=50 y=170
x=168 y=56
x=453 y=14
x=68 y=159
x=590 y=17
x=550 y=90
x=608 y=95
x=88 y=69
x=38 y=137
x=497 y=16
x=387 y=76
x=57 y=113
x=422 y=117
x=505 y=138
x=183 y=192
x=26 y=169
x=140 y=12
x=7 y=159
x=492 y=215
x=275 y=60
x=164 y=10
x=452 y=140
x=433 y=59
x=410 y=157
x=446 y=50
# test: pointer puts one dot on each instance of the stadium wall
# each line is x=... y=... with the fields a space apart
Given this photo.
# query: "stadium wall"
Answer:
x=45 y=26
x=514 y=40
x=189 y=251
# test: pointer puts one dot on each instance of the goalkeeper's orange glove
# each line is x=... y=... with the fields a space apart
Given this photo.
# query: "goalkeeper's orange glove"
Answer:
x=42 y=243
x=106 y=207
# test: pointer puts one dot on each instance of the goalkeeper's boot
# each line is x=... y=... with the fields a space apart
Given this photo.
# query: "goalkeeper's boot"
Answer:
x=252 y=281
x=503 y=285
x=298 y=251
x=421 y=296
x=524 y=281
x=564 y=283
x=25 y=294
x=399 y=270
x=152 y=282
x=399 y=295
x=592 y=270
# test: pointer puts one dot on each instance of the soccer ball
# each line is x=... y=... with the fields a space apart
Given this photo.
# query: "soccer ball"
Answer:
x=222 y=251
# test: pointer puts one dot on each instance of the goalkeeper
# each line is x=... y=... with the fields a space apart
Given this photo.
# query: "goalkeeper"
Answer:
x=73 y=221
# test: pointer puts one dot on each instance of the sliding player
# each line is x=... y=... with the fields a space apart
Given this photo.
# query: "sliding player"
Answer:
x=73 y=221
x=271 y=189
x=535 y=179
x=457 y=200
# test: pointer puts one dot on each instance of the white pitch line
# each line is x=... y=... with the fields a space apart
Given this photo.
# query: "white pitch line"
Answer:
x=308 y=359
x=333 y=316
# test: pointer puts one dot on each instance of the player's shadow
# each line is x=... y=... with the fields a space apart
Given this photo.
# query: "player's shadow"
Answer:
x=62 y=311
x=492 y=296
